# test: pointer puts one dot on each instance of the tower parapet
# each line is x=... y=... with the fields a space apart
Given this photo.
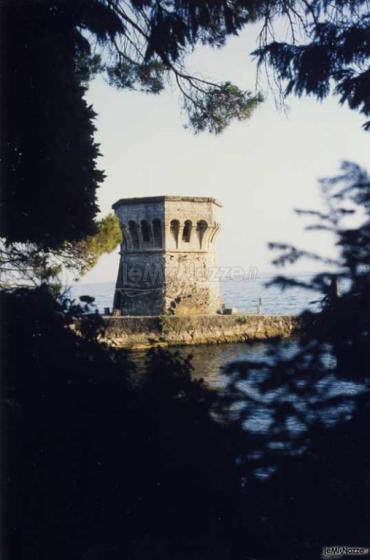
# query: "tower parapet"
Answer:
x=167 y=258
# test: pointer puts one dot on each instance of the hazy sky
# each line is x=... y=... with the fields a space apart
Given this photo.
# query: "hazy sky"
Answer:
x=260 y=169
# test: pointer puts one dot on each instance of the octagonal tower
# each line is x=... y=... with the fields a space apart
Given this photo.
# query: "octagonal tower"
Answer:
x=167 y=259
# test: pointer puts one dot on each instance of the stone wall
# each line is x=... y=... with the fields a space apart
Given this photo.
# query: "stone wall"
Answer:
x=145 y=332
x=192 y=286
x=167 y=263
x=141 y=285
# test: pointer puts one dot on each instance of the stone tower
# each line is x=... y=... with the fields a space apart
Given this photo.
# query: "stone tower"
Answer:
x=167 y=264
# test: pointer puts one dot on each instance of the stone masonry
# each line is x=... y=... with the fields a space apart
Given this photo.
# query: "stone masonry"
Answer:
x=167 y=258
x=147 y=332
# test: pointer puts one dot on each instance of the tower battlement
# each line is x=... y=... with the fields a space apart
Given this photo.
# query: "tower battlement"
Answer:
x=167 y=263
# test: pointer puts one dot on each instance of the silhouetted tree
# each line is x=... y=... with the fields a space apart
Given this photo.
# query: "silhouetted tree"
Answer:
x=28 y=264
x=344 y=321
x=48 y=154
x=326 y=50
x=50 y=49
x=306 y=403
x=100 y=461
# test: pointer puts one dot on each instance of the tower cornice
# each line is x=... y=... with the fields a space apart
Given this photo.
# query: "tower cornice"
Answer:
x=165 y=198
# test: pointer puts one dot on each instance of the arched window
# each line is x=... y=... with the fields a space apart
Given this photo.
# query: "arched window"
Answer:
x=186 y=234
x=145 y=231
x=175 y=228
x=201 y=229
x=157 y=232
x=133 y=229
x=215 y=231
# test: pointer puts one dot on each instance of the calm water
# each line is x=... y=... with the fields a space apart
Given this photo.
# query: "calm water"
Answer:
x=208 y=361
x=242 y=294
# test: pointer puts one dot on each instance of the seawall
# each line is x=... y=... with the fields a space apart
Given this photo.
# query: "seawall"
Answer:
x=146 y=332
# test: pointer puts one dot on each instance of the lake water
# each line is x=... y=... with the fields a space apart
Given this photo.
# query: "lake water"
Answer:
x=208 y=361
x=242 y=294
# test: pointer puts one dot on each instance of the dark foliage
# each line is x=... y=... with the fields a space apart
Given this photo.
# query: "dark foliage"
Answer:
x=98 y=466
x=316 y=498
x=48 y=154
x=328 y=51
x=49 y=50
x=344 y=321
x=99 y=462
x=29 y=264
x=311 y=396
x=104 y=461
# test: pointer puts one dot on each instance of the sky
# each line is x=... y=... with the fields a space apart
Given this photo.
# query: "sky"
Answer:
x=260 y=169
